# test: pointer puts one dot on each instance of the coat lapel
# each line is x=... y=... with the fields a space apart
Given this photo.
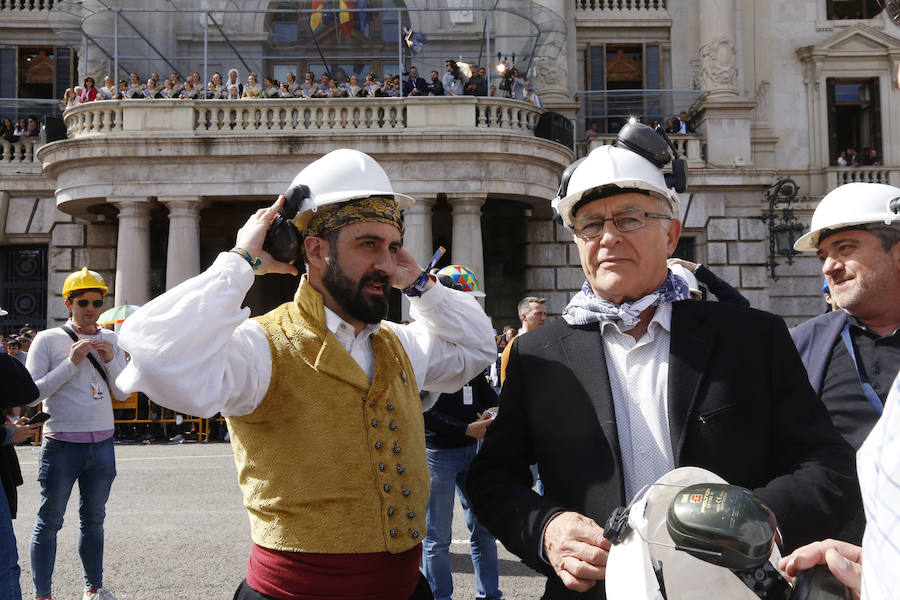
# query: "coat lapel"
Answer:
x=586 y=358
x=690 y=350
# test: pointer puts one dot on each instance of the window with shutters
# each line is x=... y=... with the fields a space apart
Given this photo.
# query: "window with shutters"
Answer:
x=618 y=68
x=854 y=121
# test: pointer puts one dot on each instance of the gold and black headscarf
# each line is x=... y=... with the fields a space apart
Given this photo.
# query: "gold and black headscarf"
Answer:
x=374 y=209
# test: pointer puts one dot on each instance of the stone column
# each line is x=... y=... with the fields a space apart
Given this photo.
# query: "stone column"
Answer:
x=418 y=238
x=466 y=240
x=718 y=53
x=132 y=251
x=183 y=253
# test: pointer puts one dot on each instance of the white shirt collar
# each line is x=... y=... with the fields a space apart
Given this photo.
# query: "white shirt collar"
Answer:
x=343 y=330
x=662 y=317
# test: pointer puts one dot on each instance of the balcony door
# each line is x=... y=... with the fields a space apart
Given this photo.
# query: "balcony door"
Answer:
x=618 y=68
x=854 y=116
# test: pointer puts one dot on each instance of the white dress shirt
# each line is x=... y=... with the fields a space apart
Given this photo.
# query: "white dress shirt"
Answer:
x=194 y=349
x=878 y=467
x=638 y=377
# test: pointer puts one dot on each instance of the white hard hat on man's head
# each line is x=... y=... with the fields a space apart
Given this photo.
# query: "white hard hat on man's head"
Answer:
x=852 y=205
x=340 y=176
x=614 y=167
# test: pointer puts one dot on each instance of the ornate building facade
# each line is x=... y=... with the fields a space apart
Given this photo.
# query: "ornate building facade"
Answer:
x=148 y=191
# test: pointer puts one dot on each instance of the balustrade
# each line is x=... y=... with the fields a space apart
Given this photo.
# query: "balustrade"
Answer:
x=25 y=6
x=20 y=152
x=644 y=7
x=838 y=176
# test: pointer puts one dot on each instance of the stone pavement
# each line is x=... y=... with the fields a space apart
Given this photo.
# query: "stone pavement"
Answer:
x=176 y=529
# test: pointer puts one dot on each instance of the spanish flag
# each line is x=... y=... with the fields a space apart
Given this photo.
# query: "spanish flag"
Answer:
x=315 y=19
x=346 y=19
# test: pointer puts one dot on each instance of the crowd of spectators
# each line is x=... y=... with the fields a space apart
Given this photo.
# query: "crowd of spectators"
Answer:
x=17 y=344
x=456 y=81
x=24 y=127
x=869 y=157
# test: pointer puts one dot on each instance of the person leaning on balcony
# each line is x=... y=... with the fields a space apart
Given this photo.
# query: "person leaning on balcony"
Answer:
x=372 y=87
x=252 y=90
x=7 y=129
x=135 y=87
x=353 y=88
x=234 y=79
x=177 y=85
x=452 y=79
x=108 y=91
x=71 y=99
x=32 y=127
x=435 y=87
x=89 y=92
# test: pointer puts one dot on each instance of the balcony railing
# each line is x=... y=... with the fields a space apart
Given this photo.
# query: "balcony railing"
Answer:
x=311 y=117
x=616 y=8
x=690 y=147
x=25 y=6
x=21 y=152
x=838 y=176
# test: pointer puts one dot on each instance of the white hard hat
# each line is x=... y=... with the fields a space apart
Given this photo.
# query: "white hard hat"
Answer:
x=3 y=313
x=340 y=176
x=618 y=167
x=631 y=570
x=852 y=204
x=687 y=276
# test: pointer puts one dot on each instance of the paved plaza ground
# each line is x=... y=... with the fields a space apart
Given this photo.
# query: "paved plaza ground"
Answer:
x=176 y=529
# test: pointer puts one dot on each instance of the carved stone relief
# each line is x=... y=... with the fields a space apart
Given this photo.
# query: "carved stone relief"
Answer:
x=718 y=69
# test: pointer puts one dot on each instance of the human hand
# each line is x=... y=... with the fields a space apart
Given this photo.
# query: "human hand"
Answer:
x=576 y=549
x=252 y=235
x=104 y=349
x=407 y=270
x=477 y=429
x=23 y=432
x=690 y=266
x=79 y=350
x=844 y=560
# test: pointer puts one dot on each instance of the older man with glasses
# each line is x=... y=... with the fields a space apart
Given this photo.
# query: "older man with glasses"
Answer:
x=74 y=368
x=636 y=379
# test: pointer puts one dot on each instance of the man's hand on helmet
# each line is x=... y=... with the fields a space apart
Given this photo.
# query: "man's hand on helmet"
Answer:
x=576 y=549
x=251 y=236
x=408 y=270
x=844 y=560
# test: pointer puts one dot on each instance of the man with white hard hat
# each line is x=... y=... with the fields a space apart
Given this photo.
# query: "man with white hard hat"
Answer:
x=852 y=355
x=635 y=379
x=321 y=394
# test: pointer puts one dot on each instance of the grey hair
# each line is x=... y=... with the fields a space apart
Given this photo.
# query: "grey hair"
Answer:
x=525 y=304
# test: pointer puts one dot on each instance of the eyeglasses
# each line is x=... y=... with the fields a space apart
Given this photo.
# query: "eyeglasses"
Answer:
x=625 y=221
x=83 y=303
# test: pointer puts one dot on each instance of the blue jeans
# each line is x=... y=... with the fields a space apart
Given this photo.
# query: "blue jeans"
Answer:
x=449 y=468
x=93 y=465
x=9 y=556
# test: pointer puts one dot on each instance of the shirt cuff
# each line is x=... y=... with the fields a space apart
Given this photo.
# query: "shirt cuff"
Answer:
x=431 y=298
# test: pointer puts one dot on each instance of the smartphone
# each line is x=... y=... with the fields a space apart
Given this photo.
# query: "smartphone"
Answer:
x=38 y=418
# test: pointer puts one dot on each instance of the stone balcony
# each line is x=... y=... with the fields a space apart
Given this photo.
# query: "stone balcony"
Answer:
x=837 y=176
x=690 y=146
x=226 y=148
x=651 y=13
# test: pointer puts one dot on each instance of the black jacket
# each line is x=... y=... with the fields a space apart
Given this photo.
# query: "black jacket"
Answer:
x=739 y=404
x=420 y=85
x=446 y=421
x=18 y=389
x=435 y=87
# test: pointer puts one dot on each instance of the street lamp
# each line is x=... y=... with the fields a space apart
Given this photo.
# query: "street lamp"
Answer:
x=784 y=227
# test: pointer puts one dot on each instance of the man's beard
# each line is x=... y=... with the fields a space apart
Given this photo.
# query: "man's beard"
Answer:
x=349 y=295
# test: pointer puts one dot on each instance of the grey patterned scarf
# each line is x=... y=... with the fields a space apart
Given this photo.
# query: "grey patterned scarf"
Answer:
x=585 y=308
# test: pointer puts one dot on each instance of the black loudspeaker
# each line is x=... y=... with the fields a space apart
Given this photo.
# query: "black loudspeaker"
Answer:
x=555 y=127
x=52 y=129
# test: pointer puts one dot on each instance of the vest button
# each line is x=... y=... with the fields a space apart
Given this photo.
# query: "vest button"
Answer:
x=390 y=511
x=390 y=406
x=387 y=487
x=393 y=426
x=393 y=533
x=374 y=422
x=411 y=514
x=381 y=467
x=414 y=534
x=401 y=469
x=405 y=491
x=396 y=448
x=378 y=445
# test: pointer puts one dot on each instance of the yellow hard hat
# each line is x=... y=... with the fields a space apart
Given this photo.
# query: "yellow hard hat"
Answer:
x=84 y=280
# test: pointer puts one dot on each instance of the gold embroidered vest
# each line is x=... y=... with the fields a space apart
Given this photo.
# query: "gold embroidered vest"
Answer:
x=330 y=462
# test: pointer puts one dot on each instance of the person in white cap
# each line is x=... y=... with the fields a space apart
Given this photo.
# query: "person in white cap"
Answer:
x=853 y=354
x=321 y=395
x=635 y=379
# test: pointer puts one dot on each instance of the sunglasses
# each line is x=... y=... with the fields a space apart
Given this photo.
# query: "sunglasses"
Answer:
x=83 y=303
